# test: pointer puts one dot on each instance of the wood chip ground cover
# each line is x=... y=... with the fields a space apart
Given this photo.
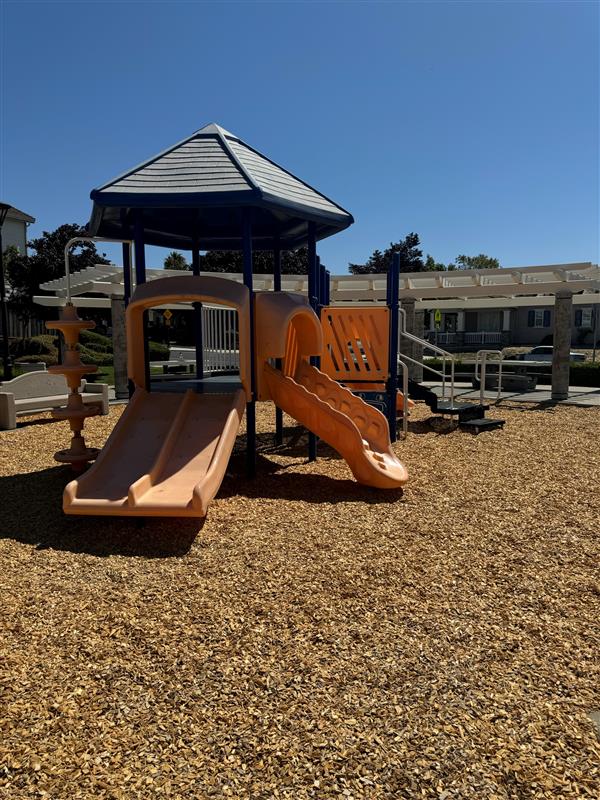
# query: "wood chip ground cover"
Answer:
x=312 y=638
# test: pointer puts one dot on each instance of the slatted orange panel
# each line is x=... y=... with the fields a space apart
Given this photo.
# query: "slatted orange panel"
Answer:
x=355 y=343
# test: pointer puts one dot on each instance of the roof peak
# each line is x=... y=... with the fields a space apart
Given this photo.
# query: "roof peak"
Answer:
x=213 y=127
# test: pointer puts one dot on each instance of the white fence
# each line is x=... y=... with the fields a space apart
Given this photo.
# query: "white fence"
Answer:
x=220 y=339
x=483 y=337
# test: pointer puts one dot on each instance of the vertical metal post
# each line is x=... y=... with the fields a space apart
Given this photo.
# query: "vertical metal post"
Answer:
x=392 y=292
x=277 y=288
x=126 y=272
x=140 y=278
x=250 y=406
x=313 y=288
x=127 y=293
x=198 y=341
x=327 y=287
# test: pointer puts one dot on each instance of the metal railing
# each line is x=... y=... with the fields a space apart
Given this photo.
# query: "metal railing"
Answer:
x=445 y=356
x=480 y=372
x=404 y=368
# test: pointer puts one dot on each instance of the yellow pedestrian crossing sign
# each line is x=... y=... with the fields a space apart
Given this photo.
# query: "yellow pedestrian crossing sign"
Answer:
x=167 y=314
x=437 y=318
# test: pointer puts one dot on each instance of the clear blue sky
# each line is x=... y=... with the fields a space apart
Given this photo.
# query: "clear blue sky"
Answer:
x=473 y=124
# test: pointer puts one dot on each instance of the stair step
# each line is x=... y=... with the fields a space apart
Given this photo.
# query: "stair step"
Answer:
x=459 y=408
x=478 y=425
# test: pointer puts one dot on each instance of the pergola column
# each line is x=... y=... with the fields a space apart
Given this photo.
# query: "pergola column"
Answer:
x=563 y=310
x=411 y=349
x=119 y=342
x=420 y=332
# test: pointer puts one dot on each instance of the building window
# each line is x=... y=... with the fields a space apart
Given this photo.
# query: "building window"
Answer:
x=538 y=318
x=584 y=318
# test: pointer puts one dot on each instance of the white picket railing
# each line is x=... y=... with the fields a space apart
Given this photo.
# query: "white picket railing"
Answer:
x=483 y=337
x=220 y=339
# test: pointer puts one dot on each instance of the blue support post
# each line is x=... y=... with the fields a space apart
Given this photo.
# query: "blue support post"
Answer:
x=140 y=278
x=392 y=299
x=250 y=406
x=313 y=288
x=277 y=288
x=198 y=339
x=126 y=273
x=127 y=294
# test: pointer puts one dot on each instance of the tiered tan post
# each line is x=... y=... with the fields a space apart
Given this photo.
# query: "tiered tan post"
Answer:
x=75 y=411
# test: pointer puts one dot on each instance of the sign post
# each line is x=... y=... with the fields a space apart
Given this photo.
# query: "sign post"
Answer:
x=437 y=320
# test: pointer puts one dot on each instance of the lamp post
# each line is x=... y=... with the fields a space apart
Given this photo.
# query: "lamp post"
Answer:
x=4 y=209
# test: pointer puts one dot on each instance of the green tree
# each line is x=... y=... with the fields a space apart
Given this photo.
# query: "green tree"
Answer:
x=293 y=262
x=411 y=257
x=431 y=265
x=46 y=262
x=176 y=260
x=477 y=262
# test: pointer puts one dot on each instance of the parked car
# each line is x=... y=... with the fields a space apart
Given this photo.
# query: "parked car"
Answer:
x=544 y=353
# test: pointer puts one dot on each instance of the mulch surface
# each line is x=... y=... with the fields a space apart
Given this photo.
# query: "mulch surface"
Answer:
x=311 y=638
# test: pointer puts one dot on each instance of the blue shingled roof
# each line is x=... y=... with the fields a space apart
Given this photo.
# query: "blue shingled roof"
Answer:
x=195 y=186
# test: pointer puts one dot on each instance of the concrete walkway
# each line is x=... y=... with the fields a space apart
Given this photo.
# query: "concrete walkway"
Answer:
x=578 y=395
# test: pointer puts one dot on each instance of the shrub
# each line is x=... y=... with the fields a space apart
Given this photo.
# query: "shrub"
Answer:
x=96 y=341
x=158 y=351
x=35 y=346
x=89 y=356
x=49 y=361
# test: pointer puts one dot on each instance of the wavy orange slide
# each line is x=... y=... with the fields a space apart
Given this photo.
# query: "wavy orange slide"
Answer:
x=358 y=432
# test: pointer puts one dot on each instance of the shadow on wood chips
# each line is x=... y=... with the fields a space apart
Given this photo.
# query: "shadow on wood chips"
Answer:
x=274 y=482
x=32 y=514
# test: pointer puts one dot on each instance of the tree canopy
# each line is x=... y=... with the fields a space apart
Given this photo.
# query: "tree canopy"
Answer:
x=477 y=262
x=411 y=259
x=176 y=260
x=46 y=262
x=293 y=262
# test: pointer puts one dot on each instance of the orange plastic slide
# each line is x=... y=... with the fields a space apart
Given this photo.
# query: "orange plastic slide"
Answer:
x=355 y=429
x=166 y=456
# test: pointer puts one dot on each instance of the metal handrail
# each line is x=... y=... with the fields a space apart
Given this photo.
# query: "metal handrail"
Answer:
x=405 y=406
x=428 y=346
x=480 y=376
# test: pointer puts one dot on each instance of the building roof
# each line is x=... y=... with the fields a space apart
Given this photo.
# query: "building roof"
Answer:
x=14 y=213
x=201 y=185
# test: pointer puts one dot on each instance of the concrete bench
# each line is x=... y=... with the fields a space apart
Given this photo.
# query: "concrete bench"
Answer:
x=41 y=391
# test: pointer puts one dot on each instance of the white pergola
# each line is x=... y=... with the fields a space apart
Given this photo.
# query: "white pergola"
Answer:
x=461 y=289
x=559 y=285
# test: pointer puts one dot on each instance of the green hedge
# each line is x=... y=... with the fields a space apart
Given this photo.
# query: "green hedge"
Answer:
x=96 y=341
x=43 y=345
x=49 y=361
x=158 y=351
x=94 y=349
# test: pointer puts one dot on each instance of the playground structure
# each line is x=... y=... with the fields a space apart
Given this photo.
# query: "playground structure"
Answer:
x=168 y=453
